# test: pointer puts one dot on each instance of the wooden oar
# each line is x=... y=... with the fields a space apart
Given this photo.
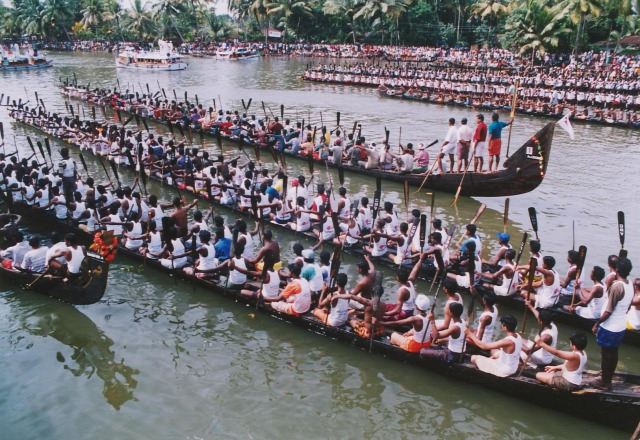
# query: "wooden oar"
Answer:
x=573 y=234
x=475 y=218
x=505 y=217
x=406 y=197
x=533 y=216
x=423 y=230
x=533 y=263
x=412 y=233
x=582 y=251
x=471 y=269
x=535 y=344
x=377 y=291
x=426 y=177
x=455 y=199
x=514 y=101
x=433 y=201
x=33 y=283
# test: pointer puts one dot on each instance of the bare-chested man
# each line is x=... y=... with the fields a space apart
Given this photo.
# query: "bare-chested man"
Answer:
x=179 y=215
x=271 y=249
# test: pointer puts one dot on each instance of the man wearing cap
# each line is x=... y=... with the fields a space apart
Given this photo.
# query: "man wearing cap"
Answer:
x=315 y=271
x=479 y=143
x=498 y=259
x=449 y=146
x=419 y=336
x=465 y=135
x=297 y=294
x=421 y=160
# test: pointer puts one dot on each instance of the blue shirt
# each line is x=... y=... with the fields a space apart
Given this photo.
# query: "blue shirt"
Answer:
x=223 y=249
x=495 y=129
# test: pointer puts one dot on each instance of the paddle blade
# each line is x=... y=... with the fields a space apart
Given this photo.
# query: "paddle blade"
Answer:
x=582 y=251
x=338 y=119
x=423 y=230
x=93 y=113
x=533 y=216
x=378 y=184
x=621 y=226
x=282 y=112
x=84 y=163
x=249 y=103
x=479 y=212
x=1 y=131
x=244 y=106
x=46 y=144
x=341 y=175
x=311 y=163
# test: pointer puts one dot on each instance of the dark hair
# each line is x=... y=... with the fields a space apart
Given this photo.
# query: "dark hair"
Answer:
x=549 y=261
x=472 y=228
x=579 y=340
x=598 y=273
x=71 y=238
x=534 y=245
x=480 y=116
x=574 y=256
x=204 y=235
x=449 y=285
x=612 y=261
x=509 y=322
x=34 y=241
x=325 y=257
x=624 y=267
x=545 y=316
x=452 y=121
x=456 y=309
x=267 y=234
x=341 y=279
x=295 y=269
x=495 y=116
x=297 y=248
x=437 y=223
x=363 y=265
x=403 y=274
x=415 y=213
x=510 y=254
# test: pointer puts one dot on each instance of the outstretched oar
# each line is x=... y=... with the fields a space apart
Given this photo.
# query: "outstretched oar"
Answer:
x=533 y=216
x=505 y=217
x=621 y=231
x=475 y=218
x=455 y=199
x=377 y=292
x=46 y=144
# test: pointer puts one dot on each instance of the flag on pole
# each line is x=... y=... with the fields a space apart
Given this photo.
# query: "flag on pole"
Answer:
x=566 y=126
x=514 y=100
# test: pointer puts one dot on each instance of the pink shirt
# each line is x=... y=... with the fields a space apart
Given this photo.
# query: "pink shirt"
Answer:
x=422 y=158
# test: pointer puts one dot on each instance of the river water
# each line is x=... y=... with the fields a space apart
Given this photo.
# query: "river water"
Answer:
x=156 y=360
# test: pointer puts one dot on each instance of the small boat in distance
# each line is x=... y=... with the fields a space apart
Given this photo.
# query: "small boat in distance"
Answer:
x=242 y=55
x=13 y=59
x=165 y=58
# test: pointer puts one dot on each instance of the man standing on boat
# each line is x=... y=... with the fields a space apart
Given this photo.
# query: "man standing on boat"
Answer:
x=67 y=168
x=610 y=328
x=448 y=146
x=465 y=136
x=495 y=140
x=479 y=143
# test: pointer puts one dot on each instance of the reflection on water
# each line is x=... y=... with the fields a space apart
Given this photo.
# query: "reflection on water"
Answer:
x=91 y=348
x=205 y=369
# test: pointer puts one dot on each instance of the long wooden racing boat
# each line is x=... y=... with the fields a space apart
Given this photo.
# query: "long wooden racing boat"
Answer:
x=561 y=315
x=88 y=288
x=618 y=408
x=523 y=171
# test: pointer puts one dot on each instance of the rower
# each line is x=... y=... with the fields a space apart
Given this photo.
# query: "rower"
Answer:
x=547 y=289
x=333 y=310
x=296 y=295
x=35 y=260
x=452 y=335
x=487 y=319
x=366 y=269
x=206 y=256
x=392 y=223
x=179 y=215
x=610 y=327
x=73 y=254
x=419 y=336
x=406 y=294
x=316 y=280
x=270 y=288
x=373 y=311
x=16 y=253
x=468 y=250
x=537 y=355
x=177 y=257
x=612 y=262
x=302 y=222
x=498 y=260
x=67 y=168
x=505 y=353
x=568 y=285
x=592 y=299
x=509 y=284
x=245 y=238
x=378 y=246
x=568 y=376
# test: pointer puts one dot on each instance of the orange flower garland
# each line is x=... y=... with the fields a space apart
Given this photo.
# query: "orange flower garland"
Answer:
x=106 y=250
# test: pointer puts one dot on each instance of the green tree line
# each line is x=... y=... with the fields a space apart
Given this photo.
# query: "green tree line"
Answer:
x=524 y=25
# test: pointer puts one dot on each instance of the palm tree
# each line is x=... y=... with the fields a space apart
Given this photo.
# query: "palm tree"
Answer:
x=166 y=12
x=348 y=8
x=92 y=14
x=57 y=12
x=579 y=11
x=374 y=11
x=490 y=10
x=139 y=20
x=260 y=10
x=540 y=29
x=287 y=8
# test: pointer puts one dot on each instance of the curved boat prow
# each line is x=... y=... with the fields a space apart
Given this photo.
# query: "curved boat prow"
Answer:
x=534 y=153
